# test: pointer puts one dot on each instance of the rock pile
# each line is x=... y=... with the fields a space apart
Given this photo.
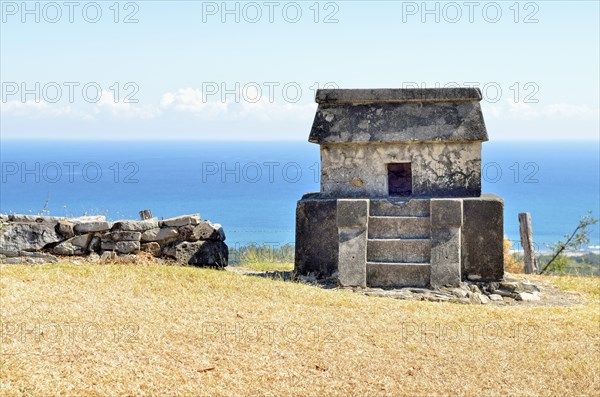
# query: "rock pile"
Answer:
x=502 y=292
x=36 y=239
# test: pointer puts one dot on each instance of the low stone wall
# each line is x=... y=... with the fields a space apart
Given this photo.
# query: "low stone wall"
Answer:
x=37 y=239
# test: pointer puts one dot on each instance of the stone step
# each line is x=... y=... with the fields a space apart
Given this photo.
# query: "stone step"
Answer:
x=399 y=207
x=385 y=274
x=395 y=227
x=398 y=250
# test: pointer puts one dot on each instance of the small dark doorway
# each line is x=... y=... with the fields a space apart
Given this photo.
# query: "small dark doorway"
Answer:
x=399 y=179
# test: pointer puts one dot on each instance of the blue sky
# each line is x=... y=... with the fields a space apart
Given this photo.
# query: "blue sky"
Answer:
x=538 y=63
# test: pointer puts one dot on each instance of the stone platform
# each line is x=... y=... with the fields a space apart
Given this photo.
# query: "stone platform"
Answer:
x=400 y=242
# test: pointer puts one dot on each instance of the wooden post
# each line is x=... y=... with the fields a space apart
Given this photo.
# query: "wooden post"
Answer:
x=145 y=214
x=527 y=242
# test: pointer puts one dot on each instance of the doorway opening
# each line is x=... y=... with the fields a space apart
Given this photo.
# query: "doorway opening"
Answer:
x=399 y=179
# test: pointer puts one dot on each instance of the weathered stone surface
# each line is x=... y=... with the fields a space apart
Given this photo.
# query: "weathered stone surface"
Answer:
x=205 y=230
x=518 y=286
x=16 y=237
x=396 y=227
x=506 y=293
x=397 y=274
x=23 y=218
x=160 y=234
x=127 y=247
x=123 y=236
x=394 y=206
x=445 y=257
x=93 y=226
x=399 y=250
x=87 y=218
x=352 y=213
x=151 y=247
x=397 y=95
x=398 y=116
x=484 y=299
x=446 y=212
x=77 y=245
x=526 y=296
x=352 y=256
x=477 y=298
x=135 y=226
x=94 y=244
x=459 y=292
x=495 y=297
x=482 y=237
x=316 y=236
x=199 y=253
x=449 y=170
x=65 y=229
x=108 y=245
x=181 y=221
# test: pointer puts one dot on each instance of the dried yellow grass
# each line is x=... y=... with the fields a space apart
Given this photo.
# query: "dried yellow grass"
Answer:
x=167 y=330
x=268 y=266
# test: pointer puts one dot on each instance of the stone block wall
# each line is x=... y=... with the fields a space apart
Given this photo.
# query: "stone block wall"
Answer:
x=360 y=170
x=187 y=239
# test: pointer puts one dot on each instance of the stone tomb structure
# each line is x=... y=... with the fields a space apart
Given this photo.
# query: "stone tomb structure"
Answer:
x=400 y=201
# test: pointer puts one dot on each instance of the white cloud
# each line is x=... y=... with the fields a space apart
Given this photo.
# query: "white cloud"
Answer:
x=191 y=100
x=567 y=110
x=532 y=111
x=122 y=109
x=35 y=109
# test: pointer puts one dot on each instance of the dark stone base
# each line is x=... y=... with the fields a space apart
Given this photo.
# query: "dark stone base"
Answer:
x=483 y=237
x=316 y=236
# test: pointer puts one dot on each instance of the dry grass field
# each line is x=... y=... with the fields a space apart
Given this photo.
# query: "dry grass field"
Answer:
x=151 y=329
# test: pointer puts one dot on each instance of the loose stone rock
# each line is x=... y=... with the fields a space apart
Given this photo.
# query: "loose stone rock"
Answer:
x=33 y=218
x=526 y=296
x=77 y=245
x=484 y=299
x=94 y=244
x=65 y=229
x=203 y=231
x=127 y=247
x=495 y=297
x=17 y=237
x=151 y=247
x=181 y=220
x=135 y=226
x=124 y=236
x=475 y=298
x=475 y=289
x=459 y=292
x=504 y=293
x=200 y=253
x=88 y=227
x=161 y=234
x=108 y=245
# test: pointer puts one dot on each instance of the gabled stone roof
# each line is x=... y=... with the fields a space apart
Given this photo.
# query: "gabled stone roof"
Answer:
x=398 y=115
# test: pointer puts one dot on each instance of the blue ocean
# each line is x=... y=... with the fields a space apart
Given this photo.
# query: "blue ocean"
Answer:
x=251 y=188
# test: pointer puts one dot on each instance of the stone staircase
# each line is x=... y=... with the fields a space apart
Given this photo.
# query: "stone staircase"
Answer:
x=398 y=243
